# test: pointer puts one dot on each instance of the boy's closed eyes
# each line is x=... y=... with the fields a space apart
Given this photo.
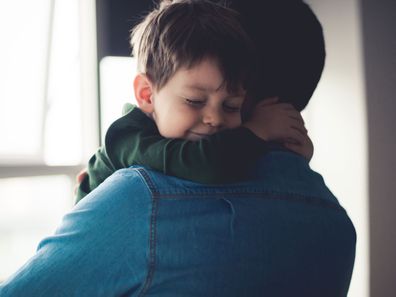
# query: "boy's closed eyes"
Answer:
x=193 y=104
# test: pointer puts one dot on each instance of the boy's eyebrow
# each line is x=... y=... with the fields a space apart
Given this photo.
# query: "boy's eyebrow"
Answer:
x=200 y=87
x=203 y=88
x=197 y=88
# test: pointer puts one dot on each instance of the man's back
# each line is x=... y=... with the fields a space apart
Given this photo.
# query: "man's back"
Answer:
x=142 y=233
x=282 y=234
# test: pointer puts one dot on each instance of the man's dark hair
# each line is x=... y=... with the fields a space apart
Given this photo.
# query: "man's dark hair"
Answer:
x=182 y=33
x=290 y=48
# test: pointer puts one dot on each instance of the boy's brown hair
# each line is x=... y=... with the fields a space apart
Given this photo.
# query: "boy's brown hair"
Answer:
x=183 y=32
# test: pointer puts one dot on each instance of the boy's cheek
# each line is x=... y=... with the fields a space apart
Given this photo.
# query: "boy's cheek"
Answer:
x=235 y=122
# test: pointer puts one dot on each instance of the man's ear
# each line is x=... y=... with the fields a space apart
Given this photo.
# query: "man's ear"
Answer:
x=143 y=89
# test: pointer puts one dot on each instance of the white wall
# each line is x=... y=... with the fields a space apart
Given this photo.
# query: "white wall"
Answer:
x=336 y=120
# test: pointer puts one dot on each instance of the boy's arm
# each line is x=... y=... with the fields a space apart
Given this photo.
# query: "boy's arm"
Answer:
x=224 y=157
x=98 y=169
x=100 y=165
x=221 y=158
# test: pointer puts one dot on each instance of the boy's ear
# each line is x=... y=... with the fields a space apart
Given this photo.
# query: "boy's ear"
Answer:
x=143 y=89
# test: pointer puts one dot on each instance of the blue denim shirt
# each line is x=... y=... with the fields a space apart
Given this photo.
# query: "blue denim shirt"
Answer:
x=141 y=233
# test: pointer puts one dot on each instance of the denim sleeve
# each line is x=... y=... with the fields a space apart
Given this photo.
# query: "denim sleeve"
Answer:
x=99 y=249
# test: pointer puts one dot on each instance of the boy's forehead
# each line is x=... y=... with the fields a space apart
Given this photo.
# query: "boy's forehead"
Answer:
x=204 y=76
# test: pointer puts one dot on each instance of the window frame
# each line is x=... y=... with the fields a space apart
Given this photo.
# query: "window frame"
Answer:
x=34 y=165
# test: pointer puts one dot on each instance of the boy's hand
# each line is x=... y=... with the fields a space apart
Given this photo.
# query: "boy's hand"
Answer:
x=304 y=149
x=273 y=121
x=79 y=178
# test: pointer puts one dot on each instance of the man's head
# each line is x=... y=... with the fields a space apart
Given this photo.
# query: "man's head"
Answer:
x=193 y=61
x=290 y=48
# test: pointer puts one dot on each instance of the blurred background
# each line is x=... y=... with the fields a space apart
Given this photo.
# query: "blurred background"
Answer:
x=65 y=74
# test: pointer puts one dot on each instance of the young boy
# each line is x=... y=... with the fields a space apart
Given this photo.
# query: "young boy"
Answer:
x=193 y=63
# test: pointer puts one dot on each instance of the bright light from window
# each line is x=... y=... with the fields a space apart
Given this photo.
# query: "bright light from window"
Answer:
x=63 y=122
x=30 y=208
x=116 y=87
x=23 y=51
x=40 y=119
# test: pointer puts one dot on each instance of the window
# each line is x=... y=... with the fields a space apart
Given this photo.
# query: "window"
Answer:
x=48 y=117
x=30 y=208
x=116 y=87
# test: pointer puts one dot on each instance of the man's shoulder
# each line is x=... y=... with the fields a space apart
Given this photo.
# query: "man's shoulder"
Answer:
x=291 y=174
x=116 y=192
x=126 y=179
x=279 y=175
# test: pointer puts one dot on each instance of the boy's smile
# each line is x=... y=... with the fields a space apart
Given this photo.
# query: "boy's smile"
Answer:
x=195 y=103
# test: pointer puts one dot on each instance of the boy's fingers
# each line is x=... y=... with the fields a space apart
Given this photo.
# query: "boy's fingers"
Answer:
x=298 y=117
x=295 y=115
x=272 y=99
x=284 y=106
x=287 y=106
x=299 y=127
x=293 y=146
x=296 y=136
x=269 y=101
x=305 y=149
x=81 y=175
x=297 y=148
x=296 y=124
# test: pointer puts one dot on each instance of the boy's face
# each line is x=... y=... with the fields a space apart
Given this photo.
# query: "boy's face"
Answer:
x=195 y=103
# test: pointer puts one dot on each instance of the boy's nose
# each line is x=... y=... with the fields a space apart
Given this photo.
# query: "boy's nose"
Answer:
x=213 y=117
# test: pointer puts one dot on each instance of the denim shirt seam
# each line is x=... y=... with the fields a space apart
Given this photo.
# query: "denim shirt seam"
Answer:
x=313 y=200
x=156 y=195
x=152 y=231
